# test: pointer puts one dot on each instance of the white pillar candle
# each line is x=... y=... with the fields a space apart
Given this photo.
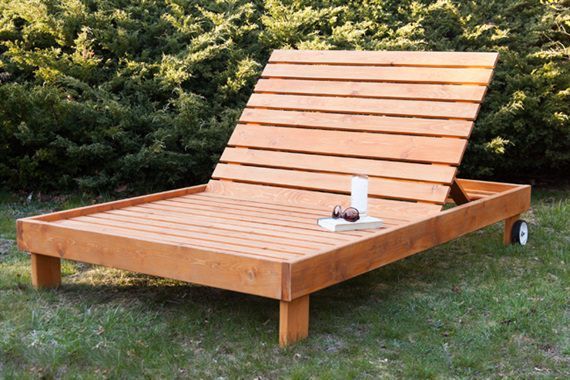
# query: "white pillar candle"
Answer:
x=359 y=194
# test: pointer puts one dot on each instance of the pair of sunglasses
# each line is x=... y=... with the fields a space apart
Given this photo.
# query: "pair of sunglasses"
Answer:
x=349 y=214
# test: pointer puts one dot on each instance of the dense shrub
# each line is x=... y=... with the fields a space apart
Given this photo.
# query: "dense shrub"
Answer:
x=99 y=94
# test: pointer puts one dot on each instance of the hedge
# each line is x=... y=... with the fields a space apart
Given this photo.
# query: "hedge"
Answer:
x=141 y=95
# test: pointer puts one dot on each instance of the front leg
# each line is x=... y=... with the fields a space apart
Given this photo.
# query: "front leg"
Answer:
x=293 y=320
x=46 y=271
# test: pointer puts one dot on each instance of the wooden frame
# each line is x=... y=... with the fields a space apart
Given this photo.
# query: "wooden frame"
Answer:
x=308 y=126
x=290 y=282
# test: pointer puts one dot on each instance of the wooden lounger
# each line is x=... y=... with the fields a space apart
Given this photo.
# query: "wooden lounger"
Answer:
x=315 y=118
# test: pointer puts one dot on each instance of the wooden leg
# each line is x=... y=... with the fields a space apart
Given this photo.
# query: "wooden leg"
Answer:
x=507 y=233
x=46 y=271
x=293 y=321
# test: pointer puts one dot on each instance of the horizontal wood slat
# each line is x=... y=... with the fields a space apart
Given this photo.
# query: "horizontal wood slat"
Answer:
x=373 y=90
x=228 y=247
x=197 y=235
x=406 y=211
x=332 y=182
x=389 y=107
x=371 y=145
x=360 y=123
x=219 y=230
x=221 y=222
x=386 y=58
x=346 y=165
x=380 y=74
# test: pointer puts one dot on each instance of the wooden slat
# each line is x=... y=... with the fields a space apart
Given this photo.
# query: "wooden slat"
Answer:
x=215 y=222
x=303 y=226
x=200 y=266
x=389 y=219
x=293 y=197
x=217 y=198
x=347 y=165
x=331 y=267
x=332 y=182
x=380 y=74
x=222 y=248
x=221 y=230
x=363 y=123
x=386 y=58
x=414 y=91
x=370 y=145
x=200 y=233
x=296 y=212
x=389 y=107
x=198 y=207
x=198 y=203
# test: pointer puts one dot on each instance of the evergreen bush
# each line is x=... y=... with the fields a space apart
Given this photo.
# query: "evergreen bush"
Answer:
x=142 y=95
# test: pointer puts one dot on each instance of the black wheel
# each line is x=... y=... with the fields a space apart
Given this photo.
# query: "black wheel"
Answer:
x=519 y=233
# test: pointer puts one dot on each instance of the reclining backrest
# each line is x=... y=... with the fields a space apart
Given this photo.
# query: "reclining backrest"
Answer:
x=316 y=117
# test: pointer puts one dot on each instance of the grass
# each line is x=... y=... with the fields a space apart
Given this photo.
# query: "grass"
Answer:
x=468 y=309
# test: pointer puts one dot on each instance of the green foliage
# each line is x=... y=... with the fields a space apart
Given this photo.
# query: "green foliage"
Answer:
x=99 y=94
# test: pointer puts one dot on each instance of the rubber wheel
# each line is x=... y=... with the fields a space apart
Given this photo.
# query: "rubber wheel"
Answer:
x=519 y=233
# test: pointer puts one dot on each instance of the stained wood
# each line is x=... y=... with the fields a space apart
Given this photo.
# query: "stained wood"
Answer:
x=258 y=206
x=386 y=58
x=335 y=164
x=458 y=194
x=240 y=273
x=223 y=214
x=508 y=229
x=360 y=123
x=368 y=145
x=407 y=211
x=293 y=321
x=172 y=238
x=333 y=266
x=195 y=208
x=79 y=211
x=202 y=235
x=245 y=227
x=46 y=271
x=414 y=91
x=338 y=183
x=219 y=230
x=475 y=76
x=389 y=107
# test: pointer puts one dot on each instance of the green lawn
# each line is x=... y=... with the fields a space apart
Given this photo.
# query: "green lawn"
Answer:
x=468 y=309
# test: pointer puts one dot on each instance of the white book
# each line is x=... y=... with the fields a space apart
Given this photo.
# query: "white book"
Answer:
x=339 y=224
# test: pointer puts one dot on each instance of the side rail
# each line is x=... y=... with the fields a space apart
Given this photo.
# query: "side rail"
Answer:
x=493 y=202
